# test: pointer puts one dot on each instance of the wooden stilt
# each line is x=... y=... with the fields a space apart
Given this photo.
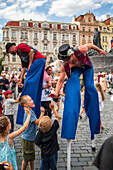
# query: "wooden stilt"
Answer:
x=68 y=154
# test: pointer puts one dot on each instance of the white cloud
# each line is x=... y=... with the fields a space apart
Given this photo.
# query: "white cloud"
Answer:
x=107 y=1
x=27 y=10
x=33 y=4
x=71 y=7
x=101 y=18
x=2 y=5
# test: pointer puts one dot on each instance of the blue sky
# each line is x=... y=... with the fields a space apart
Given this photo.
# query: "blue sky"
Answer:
x=51 y=10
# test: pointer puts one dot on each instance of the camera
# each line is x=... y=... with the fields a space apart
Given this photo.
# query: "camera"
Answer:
x=2 y=166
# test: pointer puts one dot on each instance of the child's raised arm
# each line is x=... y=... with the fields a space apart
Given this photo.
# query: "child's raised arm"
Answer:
x=17 y=100
x=55 y=112
x=41 y=115
x=23 y=128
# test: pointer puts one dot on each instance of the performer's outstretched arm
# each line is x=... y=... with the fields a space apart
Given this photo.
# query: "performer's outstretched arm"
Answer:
x=87 y=47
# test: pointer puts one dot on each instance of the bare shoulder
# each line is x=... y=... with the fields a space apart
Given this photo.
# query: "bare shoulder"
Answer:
x=62 y=69
x=85 y=48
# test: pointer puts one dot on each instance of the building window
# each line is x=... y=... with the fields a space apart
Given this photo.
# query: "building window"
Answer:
x=35 y=35
x=63 y=27
x=83 y=37
x=45 y=36
x=89 y=19
x=7 y=34
x=67 y=38
x=35 y=25
x=63 y=37
x=22 y=35
x=24 y=24
x=74 y=37
x=45 y=26
x=54 y=46
x=105 y=47
x=35 y=46
x=45 y=47
x=105 y=38
x=54 y=36
x=83 y=28
x=73 y=27
x=13 y=58
x=54 y=26
x=89 y=29
x=26 y=35
x=13 y=34
x=89 y=38
x=104 y=29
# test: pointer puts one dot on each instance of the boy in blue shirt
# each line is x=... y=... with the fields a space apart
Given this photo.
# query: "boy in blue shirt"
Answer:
x=28 y=136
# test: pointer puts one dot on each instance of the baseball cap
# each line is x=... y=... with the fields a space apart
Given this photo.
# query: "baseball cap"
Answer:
x=7 y=92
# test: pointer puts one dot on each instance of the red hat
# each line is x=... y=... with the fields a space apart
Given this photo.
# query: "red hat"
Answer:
x=7 y=92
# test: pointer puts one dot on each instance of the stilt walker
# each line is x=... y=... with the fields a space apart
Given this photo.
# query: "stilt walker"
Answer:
x=77 y=62
x=34 y=61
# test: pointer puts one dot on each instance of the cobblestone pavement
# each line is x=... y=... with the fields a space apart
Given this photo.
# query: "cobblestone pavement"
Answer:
x=81 y=154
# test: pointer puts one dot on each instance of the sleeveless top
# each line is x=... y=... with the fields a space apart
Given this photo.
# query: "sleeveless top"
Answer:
x=84 y=60
x=7 y=153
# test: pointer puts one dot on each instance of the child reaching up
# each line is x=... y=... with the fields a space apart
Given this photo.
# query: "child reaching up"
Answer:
x=101 y=101
x=28 y=136
x=9 y=107
x=46 y=139
x=7 y=151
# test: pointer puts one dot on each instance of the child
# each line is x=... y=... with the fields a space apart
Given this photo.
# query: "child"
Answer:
x=28 y=136
x=101 y=99
x=46 y=139
x=9 y=107
x=7 y=151
x=82 y=103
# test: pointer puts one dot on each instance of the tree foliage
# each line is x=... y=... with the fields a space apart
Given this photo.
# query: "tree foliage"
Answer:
x=1 y=66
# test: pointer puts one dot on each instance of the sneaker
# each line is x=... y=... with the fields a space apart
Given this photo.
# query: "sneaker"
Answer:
x=93 y=149
x=80 y=117
x=102 y=128
x=109 y=92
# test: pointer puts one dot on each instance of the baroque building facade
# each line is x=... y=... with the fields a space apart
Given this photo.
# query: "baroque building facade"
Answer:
x=44 y=36
x=106 y=28
x=87 y=25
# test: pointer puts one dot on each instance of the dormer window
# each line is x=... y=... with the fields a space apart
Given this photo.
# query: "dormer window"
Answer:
x=65 y=27
x=35 y=25
x=24 y=24
x=45 y=26
x=104 y=29
x=54 y=26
